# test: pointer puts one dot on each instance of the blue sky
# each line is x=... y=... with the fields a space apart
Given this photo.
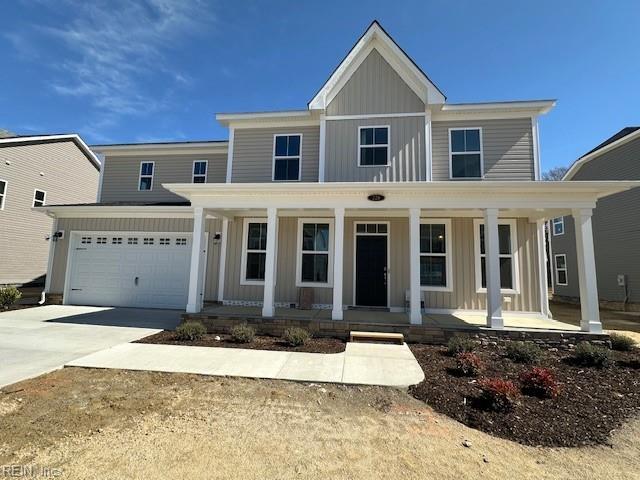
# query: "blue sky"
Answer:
x=152 y=70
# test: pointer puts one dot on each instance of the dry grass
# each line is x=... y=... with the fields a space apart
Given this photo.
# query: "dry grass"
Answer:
x=115 y=424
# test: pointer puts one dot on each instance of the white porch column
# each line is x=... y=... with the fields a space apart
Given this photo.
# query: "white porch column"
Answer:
x=492 y=269
x=338 y=257
x=270 y=263
x=542 y=268
x=590 y=321
x=194 y=302
x=223 y=259
x=415 y=314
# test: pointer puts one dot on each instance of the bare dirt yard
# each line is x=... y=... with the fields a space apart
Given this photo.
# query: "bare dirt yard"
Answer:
x=123 y=425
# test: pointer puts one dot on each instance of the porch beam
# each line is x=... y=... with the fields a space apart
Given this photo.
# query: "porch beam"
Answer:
x=194 y=299
x=338 y=262
x=270 y=263
x=590 y=318
x=492 y=269
x=415 y=314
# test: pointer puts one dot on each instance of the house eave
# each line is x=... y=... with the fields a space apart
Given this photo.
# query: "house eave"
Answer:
x=75 y=138
x=90 y=211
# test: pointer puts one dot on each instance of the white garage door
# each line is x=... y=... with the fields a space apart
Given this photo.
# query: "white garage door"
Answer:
x=125 y=269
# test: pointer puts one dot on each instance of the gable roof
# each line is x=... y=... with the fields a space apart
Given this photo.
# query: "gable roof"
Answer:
x=40 y=139
x=623 y=136
x=376 y=37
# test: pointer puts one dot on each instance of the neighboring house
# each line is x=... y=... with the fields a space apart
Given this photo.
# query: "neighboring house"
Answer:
x=616 y=225
x=36 y=171
x=378 y=195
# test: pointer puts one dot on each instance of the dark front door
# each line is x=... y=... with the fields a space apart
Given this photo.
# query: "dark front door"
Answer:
x=371 y=270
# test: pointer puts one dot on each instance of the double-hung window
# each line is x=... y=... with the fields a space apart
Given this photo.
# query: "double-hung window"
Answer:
x=315 y=240
x=199 y=171
x=373 y=146
x=145 y=181
x=39 y=197
x=558 y=226
x=465 y=153
x=507 y=252
x=287 y=157
x=3 y=193
x=561 y=269
x=435 y=254
x=254 y=251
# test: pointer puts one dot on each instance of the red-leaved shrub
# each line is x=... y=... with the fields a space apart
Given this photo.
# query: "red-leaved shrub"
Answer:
x=469 y=364
x=539 y=382
x=498 y=394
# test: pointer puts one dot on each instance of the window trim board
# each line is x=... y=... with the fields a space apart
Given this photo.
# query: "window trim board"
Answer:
x=448 y=254
x=243 y=259
x=273 y=157
x=193 y=167
x=451 y=153
x=3 y=199
x=153 y=173
x=388 y=145
x=301 y=222
x=556 y=269
x=44 y=198
x=515 y=264
x=553 y=226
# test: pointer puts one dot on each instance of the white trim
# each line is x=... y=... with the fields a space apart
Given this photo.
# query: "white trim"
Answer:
x=102 y=159
x=536 y=147
x=322 y=148
x=447 y=255
x=44 y=198
x=415 y=310
x=270 y=263
x=226 y=117
x=206 y=171
x=549 y=226
x=338 y=264
x=329 y=253
x=515 y=264
x=197 y=262
x=428 y=148
x=3 y=196
x=153 y=172
x=52 y=244
x=475 y=152
x=355 y=252
x=556 y=269
x=230 y=154
x=222 y=264
x=461 y=311
x=542 y=106
x=587 y=278
x=286 y=157
x=374 y=115
x=375 y=145
x=44 y=138
x=245 y=241
x=143 y=148
x=553 y=226
x=542 y=266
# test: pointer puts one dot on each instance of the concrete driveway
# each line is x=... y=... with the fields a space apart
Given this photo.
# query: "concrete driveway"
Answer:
x=38 y=340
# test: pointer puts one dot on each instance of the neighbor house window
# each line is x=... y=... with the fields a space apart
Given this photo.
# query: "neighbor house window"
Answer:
x=558 y=226
x=39 y=197
x=373 y=146
x=254 y=251
x=315 y=240
x=435 y=254
x=507 y=249
x=146 y=176
x=200 y=171
x=465 y=152
x=3 y=193
x=561 y=269
x=286 y=157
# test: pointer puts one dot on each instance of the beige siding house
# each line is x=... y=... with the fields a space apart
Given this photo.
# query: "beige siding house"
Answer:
x=379 y=196
x=38 y=170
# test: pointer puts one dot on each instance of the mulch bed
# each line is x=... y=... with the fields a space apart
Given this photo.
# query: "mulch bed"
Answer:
x=591 y=404
x=313 y=345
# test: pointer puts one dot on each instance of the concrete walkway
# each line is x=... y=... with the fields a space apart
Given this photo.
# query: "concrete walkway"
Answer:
x=360 y=363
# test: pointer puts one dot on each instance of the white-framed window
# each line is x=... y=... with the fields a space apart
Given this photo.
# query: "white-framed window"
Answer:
x=181 y=241
x=132 y=241
x=165 y=241
x=116 y=241
x=373 y=146
x=435 y=254
x=39 y=197
x=3 y=193
x=561 y=269
x=199 y=171
x=254 y=251
x=465 y=153
x=101 y=240
x=287 y=157
x=145 y=182
x=508 y=253
x=558 y=226
x=314 y=257
x=85 y=240
x=147 y=241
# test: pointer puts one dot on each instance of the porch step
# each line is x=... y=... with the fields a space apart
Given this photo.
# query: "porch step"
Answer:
x=376 y=337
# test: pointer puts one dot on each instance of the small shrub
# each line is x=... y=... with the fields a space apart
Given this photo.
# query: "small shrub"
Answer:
x=469 y=364
x=539 y=382
x=498 y=394
x=523 y=352
x=190 y=331
x=460 y=345
x=243 y=333
x=296 y=336
x=9 y=295
x=589 y=355
x=622 y=343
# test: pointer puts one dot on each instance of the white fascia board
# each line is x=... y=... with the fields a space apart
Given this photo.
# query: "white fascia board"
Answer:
x=162 y=149
x=539 y=107
x=90 y=211
x=43 y=138
x=582 y=160
x=227 y=117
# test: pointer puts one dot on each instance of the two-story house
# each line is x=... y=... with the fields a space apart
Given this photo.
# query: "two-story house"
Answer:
x=379 y=195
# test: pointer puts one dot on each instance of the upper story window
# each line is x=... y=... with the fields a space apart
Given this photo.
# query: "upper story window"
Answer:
x=200 y=171
x=435 y=254
x=3 y=193
x=507 y=252
x=465 y=153
x=146 y=176
x=254 y=251
x=286 y=157
x=314 y=262
x=39 y=197
x=373 y=146
x=558 y=226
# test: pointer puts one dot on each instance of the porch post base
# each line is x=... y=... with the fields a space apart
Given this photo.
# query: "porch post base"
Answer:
x=495 y=322
x=591 y=326
x=193 y=308
x=337 y=315
x=267 y=312
x=415 y=318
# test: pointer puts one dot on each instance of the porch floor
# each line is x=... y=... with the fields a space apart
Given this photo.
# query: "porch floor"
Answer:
x=447 y=321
